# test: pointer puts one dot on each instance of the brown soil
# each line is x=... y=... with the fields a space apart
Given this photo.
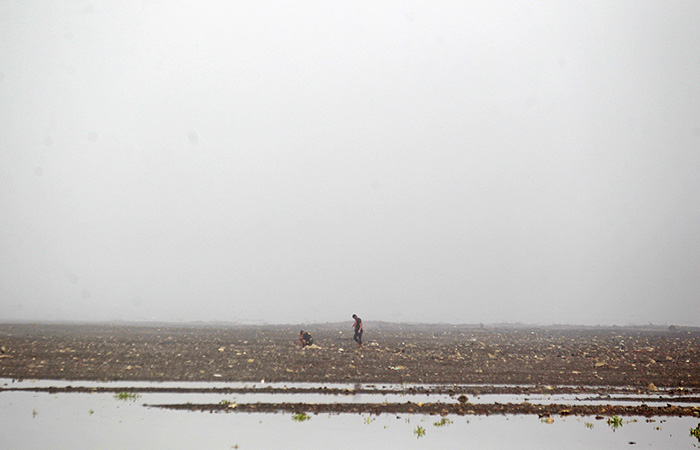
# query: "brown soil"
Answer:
x=444 y=408
x=463 y=361
x=391 y=354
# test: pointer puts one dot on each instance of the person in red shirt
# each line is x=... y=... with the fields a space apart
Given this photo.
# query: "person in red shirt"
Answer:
x=358 y=330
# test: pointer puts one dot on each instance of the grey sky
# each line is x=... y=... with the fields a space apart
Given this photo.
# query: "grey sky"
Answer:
x=301 y=161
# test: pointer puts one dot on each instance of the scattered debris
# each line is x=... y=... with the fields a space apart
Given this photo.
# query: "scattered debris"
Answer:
x=413 y=353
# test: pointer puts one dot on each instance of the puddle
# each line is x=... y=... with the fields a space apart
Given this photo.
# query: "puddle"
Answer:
x=65 y=421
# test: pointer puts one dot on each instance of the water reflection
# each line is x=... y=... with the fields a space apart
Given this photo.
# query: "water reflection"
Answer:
x=62 y=421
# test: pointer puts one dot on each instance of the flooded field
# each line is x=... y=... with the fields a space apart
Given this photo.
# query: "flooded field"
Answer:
x=70 y=415
x=120 y=387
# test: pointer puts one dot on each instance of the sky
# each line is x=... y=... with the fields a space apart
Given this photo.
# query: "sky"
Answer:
x=298 y=162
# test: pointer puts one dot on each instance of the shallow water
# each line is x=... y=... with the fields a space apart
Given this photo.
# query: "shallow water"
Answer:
x=373 y=393
x=62 y=421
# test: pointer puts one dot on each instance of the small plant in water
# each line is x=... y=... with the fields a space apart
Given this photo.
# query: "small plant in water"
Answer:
x=368 y=420
x=615 y=422
x=419 y=431
x=695 y=432
x=589 y=425
x=301 y=417
x=443 y=422
x=127 y=396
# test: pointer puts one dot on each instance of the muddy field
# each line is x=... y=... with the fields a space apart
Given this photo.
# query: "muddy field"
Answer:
x=391 y=354
x=659 y=367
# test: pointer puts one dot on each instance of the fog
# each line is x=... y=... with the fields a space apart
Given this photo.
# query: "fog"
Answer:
x=287 y=162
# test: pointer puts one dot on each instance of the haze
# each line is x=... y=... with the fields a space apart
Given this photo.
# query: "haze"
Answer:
x=286 y=162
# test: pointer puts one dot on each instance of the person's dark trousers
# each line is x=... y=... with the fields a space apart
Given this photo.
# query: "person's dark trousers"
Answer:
x=358 y=337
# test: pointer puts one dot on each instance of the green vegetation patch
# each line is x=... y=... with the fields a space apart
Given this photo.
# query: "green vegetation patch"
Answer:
x=124 y=396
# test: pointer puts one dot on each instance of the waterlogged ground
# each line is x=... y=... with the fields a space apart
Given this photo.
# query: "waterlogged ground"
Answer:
x=34 y=418
x=89 y=386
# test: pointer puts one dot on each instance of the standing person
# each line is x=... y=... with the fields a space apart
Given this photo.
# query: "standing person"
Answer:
x=358 y=330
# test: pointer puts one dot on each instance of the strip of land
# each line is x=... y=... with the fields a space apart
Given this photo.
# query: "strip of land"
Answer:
x=442 y=408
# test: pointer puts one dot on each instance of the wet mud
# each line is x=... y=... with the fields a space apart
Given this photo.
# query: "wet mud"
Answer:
x=444 y=409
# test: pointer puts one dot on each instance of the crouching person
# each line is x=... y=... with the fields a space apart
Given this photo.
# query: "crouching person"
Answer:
x=305 y=339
